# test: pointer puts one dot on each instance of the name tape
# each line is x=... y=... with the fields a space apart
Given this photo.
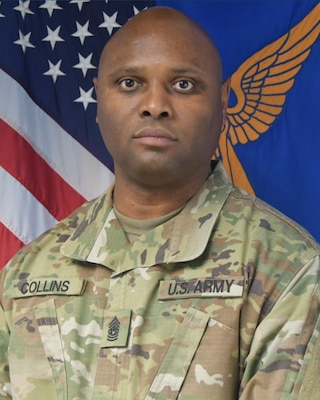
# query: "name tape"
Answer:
x=45 y=286
x=207 y=287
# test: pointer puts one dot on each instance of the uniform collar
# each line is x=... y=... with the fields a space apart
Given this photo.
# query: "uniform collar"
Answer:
x=100 y=239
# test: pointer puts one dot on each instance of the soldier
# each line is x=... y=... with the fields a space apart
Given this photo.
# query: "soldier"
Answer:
x=173 y=283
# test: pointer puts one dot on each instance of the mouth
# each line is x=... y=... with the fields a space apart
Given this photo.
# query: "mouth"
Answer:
x=154 y=136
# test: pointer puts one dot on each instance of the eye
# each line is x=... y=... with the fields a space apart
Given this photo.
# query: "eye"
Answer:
x=128 y=84
x=183 y=85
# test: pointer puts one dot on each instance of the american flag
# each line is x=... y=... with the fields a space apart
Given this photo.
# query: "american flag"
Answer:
x=52 y=157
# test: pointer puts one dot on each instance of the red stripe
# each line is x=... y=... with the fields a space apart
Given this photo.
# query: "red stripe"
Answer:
x=33 y=172
x=10 y=244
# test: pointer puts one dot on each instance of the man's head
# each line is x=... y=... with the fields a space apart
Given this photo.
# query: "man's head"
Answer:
x=160 y=99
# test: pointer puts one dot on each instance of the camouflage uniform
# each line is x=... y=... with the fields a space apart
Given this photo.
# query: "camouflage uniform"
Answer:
x=219 y=302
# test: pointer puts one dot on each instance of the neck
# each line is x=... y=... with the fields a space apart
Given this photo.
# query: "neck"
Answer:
x=144 y=202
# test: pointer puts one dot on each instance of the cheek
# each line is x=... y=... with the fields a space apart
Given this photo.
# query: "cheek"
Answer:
x=105 y=109
x=108 y=128
x=213 y=120
x=208 y=128
x=108 y=114
x=113 y=111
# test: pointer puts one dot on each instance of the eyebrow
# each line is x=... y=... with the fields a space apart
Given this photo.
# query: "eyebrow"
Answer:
x=123 y=70
x=136 y=70
x=185 y=70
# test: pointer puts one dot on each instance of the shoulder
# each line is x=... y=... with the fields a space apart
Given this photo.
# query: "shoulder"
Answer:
x=46 y=248
x=252 y=219
x=265 y=228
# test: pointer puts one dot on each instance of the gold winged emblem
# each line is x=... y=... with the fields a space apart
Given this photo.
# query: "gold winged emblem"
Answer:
x=261 y=84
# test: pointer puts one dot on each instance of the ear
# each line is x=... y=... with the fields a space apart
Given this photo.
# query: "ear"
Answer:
x=95 y=82
x=225 y=92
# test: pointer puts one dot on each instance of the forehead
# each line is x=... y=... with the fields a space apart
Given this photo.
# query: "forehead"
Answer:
x=155 y=48
x=173 y=44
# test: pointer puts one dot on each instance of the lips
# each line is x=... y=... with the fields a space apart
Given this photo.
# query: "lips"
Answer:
x=155 y=133
x=154 y=136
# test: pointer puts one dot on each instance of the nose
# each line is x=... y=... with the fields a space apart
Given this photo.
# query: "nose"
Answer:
x=156 y=102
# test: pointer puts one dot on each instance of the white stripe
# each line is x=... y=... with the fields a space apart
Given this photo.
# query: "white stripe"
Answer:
x=19 y=207
x=74 y=163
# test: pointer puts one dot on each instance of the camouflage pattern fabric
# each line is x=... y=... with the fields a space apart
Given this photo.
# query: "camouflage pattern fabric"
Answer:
x=220 y=302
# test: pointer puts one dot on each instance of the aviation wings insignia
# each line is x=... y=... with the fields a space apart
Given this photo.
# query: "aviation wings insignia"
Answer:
x=261 y=85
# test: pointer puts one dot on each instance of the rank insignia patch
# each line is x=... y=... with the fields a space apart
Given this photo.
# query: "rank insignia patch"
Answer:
x=116 y=328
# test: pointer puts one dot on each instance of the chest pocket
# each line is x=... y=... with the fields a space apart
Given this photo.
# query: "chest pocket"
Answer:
x=36 y=357
x=172 y=372
x=48 y=327
x=200 y=363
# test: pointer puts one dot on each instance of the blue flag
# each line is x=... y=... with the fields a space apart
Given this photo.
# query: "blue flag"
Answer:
x=271 y=145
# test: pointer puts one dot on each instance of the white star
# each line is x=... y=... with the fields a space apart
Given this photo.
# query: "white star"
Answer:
x=24 y=41
x=53 y=36
x=110 y=22
x=136 y=10
x=80 y=3
x=50 y=6
x=85 y=63
x=85 y=97
x=54 y=70
x=1 y=15
x=23 y=7
x=82 y=31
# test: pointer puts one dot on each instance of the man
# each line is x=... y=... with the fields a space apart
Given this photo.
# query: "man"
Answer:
x=172 y=284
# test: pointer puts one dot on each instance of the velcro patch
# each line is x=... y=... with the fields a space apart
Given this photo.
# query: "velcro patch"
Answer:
x=46 y=286
x=116 y=328
x=205 y=287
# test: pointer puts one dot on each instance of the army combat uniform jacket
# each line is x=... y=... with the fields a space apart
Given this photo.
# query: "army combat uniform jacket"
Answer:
x=220 y=302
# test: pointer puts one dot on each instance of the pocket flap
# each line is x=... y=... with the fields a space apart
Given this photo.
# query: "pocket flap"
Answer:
x=175 y=365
